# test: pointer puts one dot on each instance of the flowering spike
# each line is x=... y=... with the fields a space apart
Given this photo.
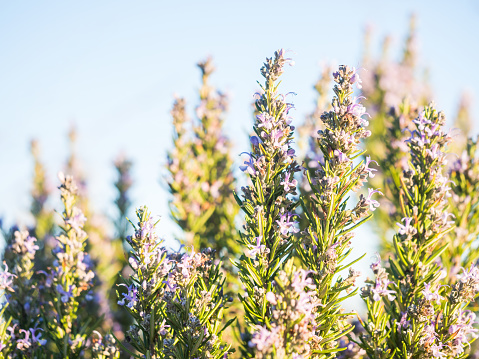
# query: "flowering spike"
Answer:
x=68 y=284
x=418 y=306
x=324 y=243
x=266 y=202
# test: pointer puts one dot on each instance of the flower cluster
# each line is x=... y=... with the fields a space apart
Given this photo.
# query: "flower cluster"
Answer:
x=290 y=330
x=104 y=347
x=176 y=299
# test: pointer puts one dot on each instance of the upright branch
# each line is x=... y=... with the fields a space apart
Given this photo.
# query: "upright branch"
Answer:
x=394 y=91
x=464 y=204
x=410 y=313
x=267 y=202
x=200 y=169
x=67 y=289
x=106 y=255
x=325 y=243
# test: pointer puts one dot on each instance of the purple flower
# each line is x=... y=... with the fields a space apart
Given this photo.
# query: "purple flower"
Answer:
x=380 y=290
x=133 y=263
x=431 y=296
x=277 y=138
x=36 y=338
x=171 y=286
x=259 y=248
x=373 y=204
x=471 y=276
x=65 y=296
x=358 y=110
x=249 y=166
x=6 y=279
x=25 y=342
x=146 y=228
x=254 y=140
x=434 y=152
x=301 y=281
x=421 y=121
x=341 y=156
x=377 y=263
x=406 y=229
x=265 y=339
x=287 y=184
x=163 y=327
x=265 y=120
x=285 y=226
x=186 y=264
x=436 y=351
x=11 y=329
x=403 y=323
x=77 y=220
x=131 y=296
x=429 y=334
x=355 y=79
x=370 y=170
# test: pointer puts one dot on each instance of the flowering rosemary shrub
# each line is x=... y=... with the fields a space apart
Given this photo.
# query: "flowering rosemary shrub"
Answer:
x=271 y=165
x=66 y=290
x=464 y=205
x=325 y=243
x=22 y=311
x=392 y=164
x=410 y=313
x=6 y=341
x=199 y=167
x=175 y=299
x=106 y=253
x=393 y=90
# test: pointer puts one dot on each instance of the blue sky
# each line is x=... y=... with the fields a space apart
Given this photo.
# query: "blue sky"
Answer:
x=112 y=68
